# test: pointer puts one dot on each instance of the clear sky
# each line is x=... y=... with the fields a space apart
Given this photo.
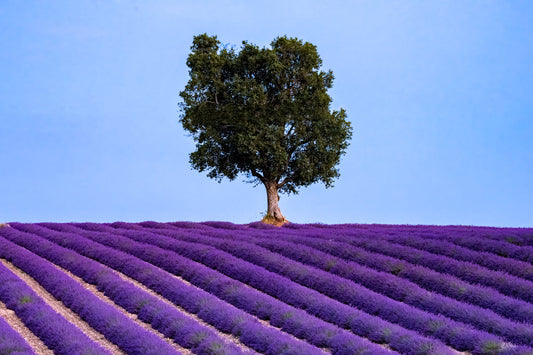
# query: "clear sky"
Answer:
x=439 y=93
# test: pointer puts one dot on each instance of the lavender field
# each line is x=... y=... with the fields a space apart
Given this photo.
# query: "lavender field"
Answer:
x=222 y=288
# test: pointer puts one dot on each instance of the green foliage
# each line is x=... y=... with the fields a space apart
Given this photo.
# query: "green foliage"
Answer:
x=491 y=347
x=198 y=337
x=435 y=325
x=330 y=264
x=216 y=348
x=263 y=112
x=140 y=304
x=386 y=332
x=427 y=348
x=287 y=315
x=25 y=299
x=395 y=269
x=513 y=240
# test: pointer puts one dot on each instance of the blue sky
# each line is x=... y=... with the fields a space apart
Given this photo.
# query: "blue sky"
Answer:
x=440 y=95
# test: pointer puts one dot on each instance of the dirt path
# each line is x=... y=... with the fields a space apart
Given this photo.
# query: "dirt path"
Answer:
x=228 y=337
x=60 y=308
x=35 y=343
x=133 y=317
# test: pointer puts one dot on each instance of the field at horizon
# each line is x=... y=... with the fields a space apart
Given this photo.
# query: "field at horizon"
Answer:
x=223 y=288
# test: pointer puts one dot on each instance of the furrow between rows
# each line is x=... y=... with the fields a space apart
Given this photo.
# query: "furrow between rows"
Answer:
x=16 y=338
x=233 y=338
x=64 y=311
x=132 y=316
x=58 y=334
x=229 y=338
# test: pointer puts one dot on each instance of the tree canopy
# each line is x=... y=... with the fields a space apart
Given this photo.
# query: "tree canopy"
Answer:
x=263 y=112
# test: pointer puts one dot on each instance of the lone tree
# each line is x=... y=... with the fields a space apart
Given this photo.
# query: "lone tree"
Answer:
x=263 y=112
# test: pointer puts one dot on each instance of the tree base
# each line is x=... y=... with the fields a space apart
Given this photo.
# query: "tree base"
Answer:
x=274 y=221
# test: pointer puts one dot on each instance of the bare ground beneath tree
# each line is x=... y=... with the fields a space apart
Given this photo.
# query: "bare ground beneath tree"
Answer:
x=274 y=222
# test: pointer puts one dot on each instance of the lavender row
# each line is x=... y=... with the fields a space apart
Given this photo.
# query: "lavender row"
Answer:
x=502 y=248
x=55 y=331
x=517 y=236
x=104 y=318
x=12 y=342
x=428 y=279
x=384 y=283
x=494 y=262
x=438 y=241
x=360 y=323
x=503 y=282
x=406 y=291
x=472 y=238
x=399 y=289
x=214 y=311
x=460 y=336
x=166 y=319
x=487 y=240
x=516 y=288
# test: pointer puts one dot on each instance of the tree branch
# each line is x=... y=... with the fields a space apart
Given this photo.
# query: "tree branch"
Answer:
x=285 y=181
x=257 y=175
x=216 y=98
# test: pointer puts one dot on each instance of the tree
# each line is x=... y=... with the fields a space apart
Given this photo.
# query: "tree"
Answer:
x=265 y=113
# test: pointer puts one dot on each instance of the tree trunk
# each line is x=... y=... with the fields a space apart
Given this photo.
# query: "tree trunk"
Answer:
x=273 y=211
